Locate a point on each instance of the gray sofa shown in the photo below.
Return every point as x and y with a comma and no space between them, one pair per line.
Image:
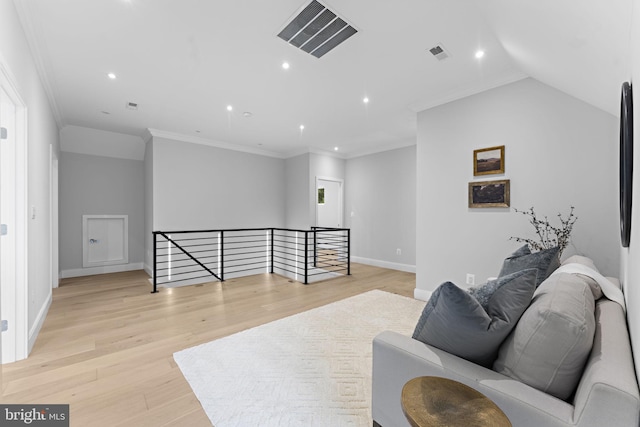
607,393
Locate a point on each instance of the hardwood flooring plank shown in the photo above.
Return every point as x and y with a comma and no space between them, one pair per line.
106,346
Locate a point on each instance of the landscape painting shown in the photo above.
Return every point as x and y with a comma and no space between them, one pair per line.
487,161
489,194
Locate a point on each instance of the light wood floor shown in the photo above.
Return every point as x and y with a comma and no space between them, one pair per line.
107,344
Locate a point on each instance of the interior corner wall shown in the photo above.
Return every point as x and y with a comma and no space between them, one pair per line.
322,165
380,208
199,187
42,134
97,185
148,208
297,192
559,152
630,265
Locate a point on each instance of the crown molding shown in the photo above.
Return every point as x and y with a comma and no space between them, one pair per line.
156,133
43,68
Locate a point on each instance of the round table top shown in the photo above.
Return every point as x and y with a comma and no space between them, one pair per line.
436,401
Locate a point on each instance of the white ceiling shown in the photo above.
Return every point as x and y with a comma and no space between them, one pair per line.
184,61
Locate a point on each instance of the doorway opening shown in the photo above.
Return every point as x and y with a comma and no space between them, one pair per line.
329,202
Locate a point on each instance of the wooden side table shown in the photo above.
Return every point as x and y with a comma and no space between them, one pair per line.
440,402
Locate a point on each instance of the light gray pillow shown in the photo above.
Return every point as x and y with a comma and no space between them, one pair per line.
552,341
545,261
455,322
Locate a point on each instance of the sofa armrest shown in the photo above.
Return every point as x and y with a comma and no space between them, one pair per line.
398,358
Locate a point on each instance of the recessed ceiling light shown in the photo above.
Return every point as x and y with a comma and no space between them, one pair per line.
229,108
335,148
285,65
365,100
111,76
479,54
301,127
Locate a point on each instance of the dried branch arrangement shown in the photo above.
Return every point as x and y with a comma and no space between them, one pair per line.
548,235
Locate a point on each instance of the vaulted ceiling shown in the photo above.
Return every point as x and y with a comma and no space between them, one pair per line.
183,62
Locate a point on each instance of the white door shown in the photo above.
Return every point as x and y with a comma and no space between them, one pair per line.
329,202
13,281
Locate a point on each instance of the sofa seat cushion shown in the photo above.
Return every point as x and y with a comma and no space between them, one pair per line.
456,322
545,261
550,344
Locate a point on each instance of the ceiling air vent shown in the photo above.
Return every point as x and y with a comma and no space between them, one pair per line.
132,106
439,52
316,30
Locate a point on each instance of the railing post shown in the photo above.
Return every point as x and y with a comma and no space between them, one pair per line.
306,257
348,252
222,255
155,265
272,233
315,246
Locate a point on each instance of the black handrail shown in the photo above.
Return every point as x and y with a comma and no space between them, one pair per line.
238,251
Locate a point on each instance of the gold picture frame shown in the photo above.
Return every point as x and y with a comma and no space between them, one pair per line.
490,194
488,161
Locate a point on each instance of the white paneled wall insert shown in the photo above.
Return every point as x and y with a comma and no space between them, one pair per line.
105,240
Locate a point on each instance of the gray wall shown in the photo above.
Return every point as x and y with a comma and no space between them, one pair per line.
197,187
96,185
380,208
559,152
148,208
297,192
630,274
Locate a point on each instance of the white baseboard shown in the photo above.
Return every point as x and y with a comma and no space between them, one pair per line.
37,325
385,264
149,270
90,271
421,294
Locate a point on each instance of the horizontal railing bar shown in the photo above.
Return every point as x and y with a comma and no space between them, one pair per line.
246,269
232,230
188,278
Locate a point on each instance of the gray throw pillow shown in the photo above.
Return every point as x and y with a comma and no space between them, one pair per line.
545,261
454,321
552,341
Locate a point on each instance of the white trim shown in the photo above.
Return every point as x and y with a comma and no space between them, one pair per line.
385,264
211,143
91,271
421,294
85,241
35,39
148,270
19,288
37,324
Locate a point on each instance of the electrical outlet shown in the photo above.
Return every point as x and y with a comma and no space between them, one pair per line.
471,279
398,251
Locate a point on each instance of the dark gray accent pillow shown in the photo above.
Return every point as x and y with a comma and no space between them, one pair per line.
545,261
454,321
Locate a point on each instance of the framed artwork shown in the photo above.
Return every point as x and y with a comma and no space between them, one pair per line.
489,194
488,161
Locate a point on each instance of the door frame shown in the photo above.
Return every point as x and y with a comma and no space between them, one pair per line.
15,345
340,197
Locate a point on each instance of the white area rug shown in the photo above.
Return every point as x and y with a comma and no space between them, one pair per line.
310,369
